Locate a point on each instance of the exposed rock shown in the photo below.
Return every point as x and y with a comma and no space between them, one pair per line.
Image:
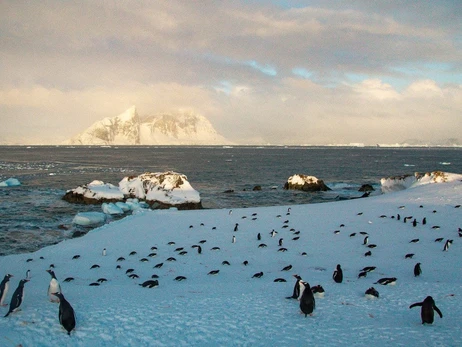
229,191
366,188
305,183
256,188
95,192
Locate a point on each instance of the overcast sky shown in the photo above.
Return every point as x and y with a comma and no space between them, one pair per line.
279,72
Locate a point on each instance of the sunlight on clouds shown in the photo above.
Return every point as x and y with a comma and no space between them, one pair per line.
376,89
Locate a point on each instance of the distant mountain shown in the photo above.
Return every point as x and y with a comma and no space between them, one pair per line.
128,128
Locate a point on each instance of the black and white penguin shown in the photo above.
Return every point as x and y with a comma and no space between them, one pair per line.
417,270
446,245
281,240
366,240
296,291
338,274
16,299
4,286
426,313
28,276
307,301
53,287
287,268
234,239
371,293
387,281
66,313
236,227
318,291
104,252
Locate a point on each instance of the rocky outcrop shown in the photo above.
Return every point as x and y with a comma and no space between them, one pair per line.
160,190
305,183
396,183
366,188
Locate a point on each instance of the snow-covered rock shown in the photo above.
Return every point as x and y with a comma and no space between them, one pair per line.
159,190
162,188
396,183
89,218
181,128
94,193
305,183
10,182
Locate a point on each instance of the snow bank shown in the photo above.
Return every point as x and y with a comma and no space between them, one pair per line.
234,309
392,184
10,182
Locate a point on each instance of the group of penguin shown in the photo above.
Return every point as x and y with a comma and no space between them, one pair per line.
66,313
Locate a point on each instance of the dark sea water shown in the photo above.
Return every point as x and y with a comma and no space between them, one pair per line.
33,215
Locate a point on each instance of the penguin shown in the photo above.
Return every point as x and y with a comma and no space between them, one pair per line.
16,299
371,293
104,252
368,268
417,270
66,313
257,275
387,281
318,291
307,301
424,221
180,278
28,276
366,240
427,313
234,239
296,291
258,236
281,240
446,245
236,227
53,287
287,268
4,286
414,223
338,274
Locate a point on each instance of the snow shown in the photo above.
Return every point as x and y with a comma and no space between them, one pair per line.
10,182
392,184
99,190
232,308
302,179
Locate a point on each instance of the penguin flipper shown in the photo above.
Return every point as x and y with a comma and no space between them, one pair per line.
438,310
415,304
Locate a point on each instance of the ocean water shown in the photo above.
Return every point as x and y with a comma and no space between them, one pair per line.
33,215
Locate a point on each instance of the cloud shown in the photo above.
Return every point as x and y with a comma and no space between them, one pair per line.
260,71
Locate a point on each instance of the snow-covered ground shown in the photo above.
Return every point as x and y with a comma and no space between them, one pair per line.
234,309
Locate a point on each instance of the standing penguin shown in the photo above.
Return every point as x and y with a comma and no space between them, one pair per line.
16,299
338,274
234,239
4,286
281,240
236,227
307,301
66,313
296,292
53,287
258,236
104,252
417,270
366,240
427,313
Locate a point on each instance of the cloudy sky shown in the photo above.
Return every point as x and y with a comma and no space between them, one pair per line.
279,72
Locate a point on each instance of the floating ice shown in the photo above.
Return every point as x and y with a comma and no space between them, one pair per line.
10,182
89,218
111,208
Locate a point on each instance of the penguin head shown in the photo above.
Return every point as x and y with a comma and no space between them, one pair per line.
305,284
58,295
8,276
429,299
297,277
338,267
22,282
51,272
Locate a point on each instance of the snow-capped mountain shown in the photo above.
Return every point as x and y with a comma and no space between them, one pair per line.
128,128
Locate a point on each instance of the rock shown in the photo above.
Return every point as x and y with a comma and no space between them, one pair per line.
256,188
229,191
305,183
78,233
366,188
